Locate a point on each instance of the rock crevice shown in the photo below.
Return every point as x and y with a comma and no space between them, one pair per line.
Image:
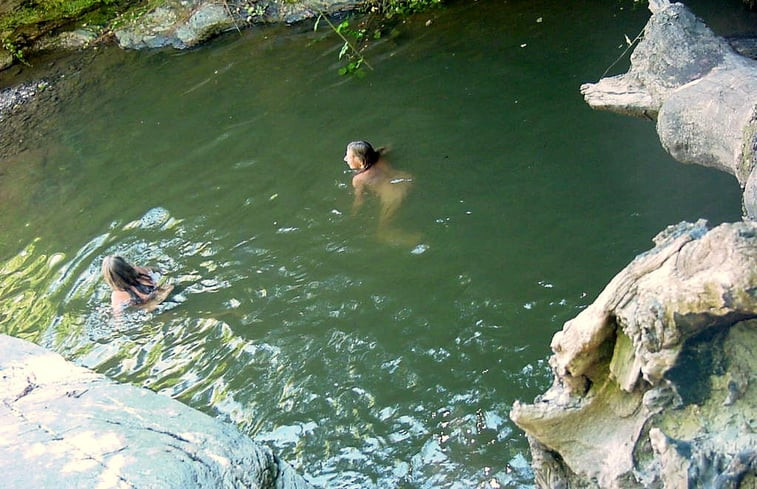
654,382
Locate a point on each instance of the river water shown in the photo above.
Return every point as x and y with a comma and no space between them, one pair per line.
363,360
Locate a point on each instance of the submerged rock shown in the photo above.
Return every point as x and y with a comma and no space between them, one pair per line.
701,92
64,426
654,383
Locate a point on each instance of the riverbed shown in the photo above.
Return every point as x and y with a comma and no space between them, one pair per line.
363,358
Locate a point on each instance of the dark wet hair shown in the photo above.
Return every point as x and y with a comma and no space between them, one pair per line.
120,275
365,152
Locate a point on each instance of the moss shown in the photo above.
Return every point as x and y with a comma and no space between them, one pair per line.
24,21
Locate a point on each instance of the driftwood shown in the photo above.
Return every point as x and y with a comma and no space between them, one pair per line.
702,94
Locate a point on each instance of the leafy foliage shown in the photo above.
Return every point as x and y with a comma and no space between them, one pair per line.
371,27
391,8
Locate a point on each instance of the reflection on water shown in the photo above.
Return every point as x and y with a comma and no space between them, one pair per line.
363,364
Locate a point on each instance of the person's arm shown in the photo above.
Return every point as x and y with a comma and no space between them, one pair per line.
359,195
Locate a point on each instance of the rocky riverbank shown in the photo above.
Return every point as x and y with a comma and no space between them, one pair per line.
64,426
654,383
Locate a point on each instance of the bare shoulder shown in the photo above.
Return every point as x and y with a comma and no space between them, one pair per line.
119,299
359,179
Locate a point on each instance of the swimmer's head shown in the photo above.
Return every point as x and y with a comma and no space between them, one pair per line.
119,274
361,155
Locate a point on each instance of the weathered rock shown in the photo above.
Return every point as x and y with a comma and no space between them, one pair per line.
701,92
655,381
66,40
750,195
64,426
186,23
180,24
6,59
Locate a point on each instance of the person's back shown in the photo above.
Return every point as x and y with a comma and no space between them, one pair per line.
391,186
375,175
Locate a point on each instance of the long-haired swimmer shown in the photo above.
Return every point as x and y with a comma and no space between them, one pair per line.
132,285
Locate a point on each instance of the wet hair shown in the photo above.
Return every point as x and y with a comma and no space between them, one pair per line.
120,275
365,153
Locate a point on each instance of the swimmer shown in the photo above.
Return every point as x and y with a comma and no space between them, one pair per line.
376,175
133,285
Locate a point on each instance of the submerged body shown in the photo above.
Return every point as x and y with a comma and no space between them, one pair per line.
389,185
376,176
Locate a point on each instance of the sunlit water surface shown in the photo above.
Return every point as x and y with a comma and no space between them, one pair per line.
362,362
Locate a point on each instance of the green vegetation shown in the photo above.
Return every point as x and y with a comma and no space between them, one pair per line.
14,51
372,26
24,21
391,8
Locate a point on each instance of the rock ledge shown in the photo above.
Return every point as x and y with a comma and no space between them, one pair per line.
64,426
654,383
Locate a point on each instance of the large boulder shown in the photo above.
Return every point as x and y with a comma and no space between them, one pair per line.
64,426
701,92
654,383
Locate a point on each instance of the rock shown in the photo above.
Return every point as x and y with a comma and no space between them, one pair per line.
750,195
654,383
152,30
66,40
183,24
64,426
6,59
177,24
701,92
208,20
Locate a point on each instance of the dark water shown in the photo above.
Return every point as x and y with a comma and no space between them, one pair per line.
363,363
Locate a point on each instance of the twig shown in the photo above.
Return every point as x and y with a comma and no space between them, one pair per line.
346,41
228,11
630,45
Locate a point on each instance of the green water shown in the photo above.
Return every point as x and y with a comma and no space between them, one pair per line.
362,363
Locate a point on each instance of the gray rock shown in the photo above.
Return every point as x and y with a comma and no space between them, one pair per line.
701,92
208,20
174,23
64,426
655,381
183,24
750,196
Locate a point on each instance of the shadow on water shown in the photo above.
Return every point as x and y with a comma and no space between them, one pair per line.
363,364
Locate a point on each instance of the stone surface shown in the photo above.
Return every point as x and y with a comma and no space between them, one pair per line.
655,381
701,92
183,24
64,426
